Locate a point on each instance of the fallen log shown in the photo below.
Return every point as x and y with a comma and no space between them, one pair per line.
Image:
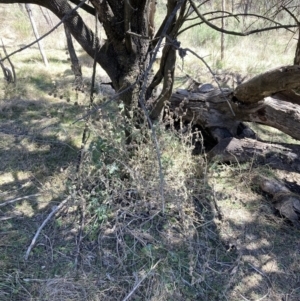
233,150
213,111
284,201
267,99
268,83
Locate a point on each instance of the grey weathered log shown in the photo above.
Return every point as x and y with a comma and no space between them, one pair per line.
233,150
212,111
286,202
268,83
274,112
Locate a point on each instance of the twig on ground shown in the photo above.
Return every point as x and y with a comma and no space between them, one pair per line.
139,282
55,209
81,228
18,199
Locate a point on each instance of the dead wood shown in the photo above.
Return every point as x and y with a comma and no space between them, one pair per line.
212,112
268,83
266,99
242,150
274,106
284,201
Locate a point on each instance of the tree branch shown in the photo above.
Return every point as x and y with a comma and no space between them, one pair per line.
85,7
234,16
19,199
236,33
268,83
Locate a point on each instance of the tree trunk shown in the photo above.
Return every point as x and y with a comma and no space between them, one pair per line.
36,34
297,54
279,79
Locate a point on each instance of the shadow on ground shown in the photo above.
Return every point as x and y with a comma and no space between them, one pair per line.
216,239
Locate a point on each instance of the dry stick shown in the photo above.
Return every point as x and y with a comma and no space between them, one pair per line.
47,17
6,73
18,199
139,283
35,32
65,17
83,143
142,98
55,209
86,128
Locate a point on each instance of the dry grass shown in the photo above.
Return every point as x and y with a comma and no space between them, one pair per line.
211,236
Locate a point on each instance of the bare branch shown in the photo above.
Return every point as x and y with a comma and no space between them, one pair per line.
85,7
236,32
54,210
236,17
262,85
212,73
11,78
19,199
291,14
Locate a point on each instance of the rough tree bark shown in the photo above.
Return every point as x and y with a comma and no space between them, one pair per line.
266,99
283,200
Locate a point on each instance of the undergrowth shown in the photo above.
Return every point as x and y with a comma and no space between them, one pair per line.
130,231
